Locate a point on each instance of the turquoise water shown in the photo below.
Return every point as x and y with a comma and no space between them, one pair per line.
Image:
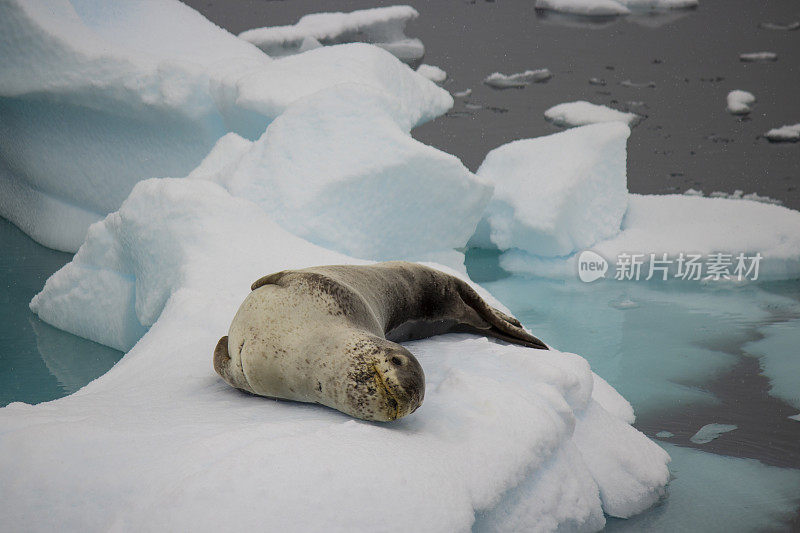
685,355
38,362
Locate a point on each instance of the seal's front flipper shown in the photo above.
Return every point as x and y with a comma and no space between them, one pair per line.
501,325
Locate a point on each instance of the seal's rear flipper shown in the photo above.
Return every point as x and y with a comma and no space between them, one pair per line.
232,374
501,325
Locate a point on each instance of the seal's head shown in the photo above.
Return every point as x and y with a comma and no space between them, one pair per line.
385,382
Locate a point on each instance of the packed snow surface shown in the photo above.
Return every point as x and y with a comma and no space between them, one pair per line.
710,432
739,102
581,113
432,72
556,194
606,8
784,133
179,257
339,168
382,26
758,56
520,79
96,96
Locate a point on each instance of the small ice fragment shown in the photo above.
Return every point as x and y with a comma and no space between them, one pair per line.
473,106
739,102
580,113
758,56
433,73
588,8
520,79
781,27
710,432
597,81
739,194
693,192
664,435
625,304
795,417
463,94
643,85
784,134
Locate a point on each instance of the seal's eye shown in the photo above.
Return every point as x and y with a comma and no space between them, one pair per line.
396,361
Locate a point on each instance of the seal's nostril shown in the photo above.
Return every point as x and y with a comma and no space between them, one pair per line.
396,361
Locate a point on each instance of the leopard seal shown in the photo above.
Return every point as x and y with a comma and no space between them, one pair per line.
329,335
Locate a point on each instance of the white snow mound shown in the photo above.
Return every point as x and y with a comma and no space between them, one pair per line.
382,26
790,133
95,96
556,194
581,113
162,443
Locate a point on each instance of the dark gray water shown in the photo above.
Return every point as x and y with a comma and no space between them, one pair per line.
688,139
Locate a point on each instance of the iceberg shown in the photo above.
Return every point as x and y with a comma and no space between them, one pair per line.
710,432
190,250
581,113
675,224
739,102
339,169
382,26
96,96
557,194
497,80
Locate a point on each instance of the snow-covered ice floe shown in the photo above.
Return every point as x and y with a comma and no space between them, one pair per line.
561,194
520,79
382,26
432,72
752,57
557,194
606,8
160,442
739,102
97,96
581,113
710,432
789,133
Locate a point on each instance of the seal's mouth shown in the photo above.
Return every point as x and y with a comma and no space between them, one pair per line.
393,405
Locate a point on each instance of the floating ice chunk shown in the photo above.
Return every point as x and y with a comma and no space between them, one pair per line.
638,85
665,434
781,27
758,56
337,169
382,26
597,81
191,251
710,432
592,8
675,224
433,73
463,94
693,192
795,417
784,134
556,194
777,355
520,79
98,96
610,8
581,113
739,102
